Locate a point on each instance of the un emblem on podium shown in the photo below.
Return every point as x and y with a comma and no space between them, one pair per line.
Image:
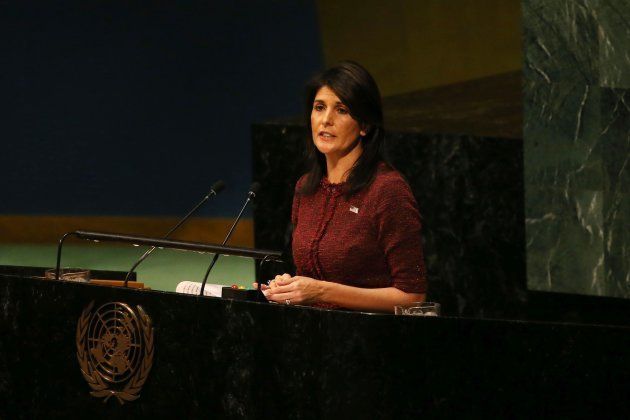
115,350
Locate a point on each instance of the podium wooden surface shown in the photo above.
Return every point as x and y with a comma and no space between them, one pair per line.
219,358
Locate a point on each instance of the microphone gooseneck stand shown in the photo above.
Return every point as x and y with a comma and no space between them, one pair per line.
216,188
250,196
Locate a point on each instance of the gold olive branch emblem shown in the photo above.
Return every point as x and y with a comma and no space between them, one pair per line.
116,344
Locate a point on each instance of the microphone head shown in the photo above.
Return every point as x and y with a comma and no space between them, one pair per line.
217,187
253,190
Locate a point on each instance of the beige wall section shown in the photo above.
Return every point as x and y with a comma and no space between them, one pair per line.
48,229
413,44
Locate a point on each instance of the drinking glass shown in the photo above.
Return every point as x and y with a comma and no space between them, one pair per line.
418,309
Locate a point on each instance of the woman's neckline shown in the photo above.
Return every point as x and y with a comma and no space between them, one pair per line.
327,182
332,188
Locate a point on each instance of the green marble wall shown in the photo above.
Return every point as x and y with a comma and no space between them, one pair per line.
577,145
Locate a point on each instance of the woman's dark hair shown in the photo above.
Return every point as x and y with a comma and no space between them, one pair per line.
358,91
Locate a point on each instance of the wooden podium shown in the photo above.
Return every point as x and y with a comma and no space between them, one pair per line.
194,357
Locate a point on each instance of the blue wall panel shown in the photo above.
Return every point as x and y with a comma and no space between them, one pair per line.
112,108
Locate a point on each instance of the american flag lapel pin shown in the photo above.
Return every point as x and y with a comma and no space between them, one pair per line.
354,209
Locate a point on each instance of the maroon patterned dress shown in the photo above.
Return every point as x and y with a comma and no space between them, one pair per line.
371,240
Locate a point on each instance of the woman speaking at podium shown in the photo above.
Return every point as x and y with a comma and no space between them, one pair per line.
356,226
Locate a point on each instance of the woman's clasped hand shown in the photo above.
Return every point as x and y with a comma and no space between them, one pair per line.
292,290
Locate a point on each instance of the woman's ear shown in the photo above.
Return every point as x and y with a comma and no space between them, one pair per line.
364,130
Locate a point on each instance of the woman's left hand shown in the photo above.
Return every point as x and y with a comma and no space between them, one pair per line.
296,290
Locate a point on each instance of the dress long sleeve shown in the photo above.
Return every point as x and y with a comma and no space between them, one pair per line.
398,226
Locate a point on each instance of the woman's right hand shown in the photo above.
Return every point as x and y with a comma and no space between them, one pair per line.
272,284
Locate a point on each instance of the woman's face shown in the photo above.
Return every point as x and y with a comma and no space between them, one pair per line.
335,132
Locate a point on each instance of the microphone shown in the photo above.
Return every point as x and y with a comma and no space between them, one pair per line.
253,190
215,189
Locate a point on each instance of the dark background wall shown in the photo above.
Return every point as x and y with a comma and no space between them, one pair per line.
135,108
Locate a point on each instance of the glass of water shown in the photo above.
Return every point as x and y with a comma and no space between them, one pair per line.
418,309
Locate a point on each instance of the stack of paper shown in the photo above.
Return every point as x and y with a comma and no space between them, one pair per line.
193,288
